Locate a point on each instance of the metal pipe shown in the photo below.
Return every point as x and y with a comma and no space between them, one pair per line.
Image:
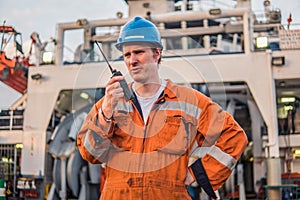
228,88
196,15
59,45
15,171
157,18
63,191
256,123
247,40
184,39
274,163
17,103
206,38
11,119
273,125
93,24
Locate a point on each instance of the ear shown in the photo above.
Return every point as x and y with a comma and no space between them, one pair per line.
157,53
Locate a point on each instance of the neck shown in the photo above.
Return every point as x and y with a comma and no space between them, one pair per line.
147,89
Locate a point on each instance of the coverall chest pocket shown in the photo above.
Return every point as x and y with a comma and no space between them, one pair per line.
173,138
122,137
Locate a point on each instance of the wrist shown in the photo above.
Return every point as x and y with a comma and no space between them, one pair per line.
105,117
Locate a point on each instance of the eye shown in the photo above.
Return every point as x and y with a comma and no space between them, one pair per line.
127,55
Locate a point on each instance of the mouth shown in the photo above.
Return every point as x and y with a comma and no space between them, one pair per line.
135,70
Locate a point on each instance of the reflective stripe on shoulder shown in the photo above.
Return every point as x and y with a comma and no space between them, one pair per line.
188,108
222,157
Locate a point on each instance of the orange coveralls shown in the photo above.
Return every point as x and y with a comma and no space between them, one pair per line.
150,161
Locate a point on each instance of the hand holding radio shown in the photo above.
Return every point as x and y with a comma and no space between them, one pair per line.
127,92
113,93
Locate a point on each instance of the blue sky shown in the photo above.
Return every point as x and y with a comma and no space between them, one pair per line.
42,16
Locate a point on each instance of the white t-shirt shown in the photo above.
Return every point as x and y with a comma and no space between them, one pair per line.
146,103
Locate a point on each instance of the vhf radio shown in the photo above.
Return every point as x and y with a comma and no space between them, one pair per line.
127,92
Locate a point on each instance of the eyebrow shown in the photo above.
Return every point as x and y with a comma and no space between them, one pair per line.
136,51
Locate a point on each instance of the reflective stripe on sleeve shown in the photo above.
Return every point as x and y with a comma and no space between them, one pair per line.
199,152
224,158
94,151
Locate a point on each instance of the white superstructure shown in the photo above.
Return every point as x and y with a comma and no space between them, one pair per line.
248,66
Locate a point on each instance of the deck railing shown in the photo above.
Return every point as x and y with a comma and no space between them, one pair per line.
11,119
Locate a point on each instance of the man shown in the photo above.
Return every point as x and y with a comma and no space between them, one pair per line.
151,143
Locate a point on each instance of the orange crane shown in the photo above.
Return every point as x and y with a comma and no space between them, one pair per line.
13,72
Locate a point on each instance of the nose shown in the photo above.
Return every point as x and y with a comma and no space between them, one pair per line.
133,59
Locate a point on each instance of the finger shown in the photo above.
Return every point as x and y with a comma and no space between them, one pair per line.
112,86
114,91
116,79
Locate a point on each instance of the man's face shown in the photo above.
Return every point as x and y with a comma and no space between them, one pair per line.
142,62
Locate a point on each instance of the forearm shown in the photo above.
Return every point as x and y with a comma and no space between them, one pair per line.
225,141
225,152
93,137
